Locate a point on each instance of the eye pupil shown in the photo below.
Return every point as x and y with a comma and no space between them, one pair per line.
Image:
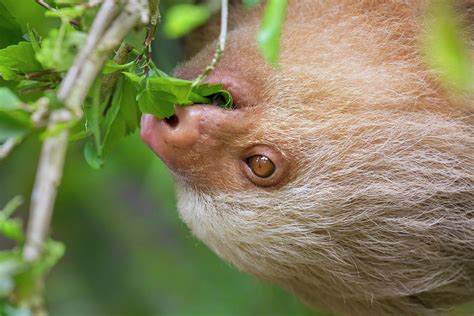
261,166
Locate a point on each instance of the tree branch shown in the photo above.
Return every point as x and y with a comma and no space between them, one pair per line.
107,12
110,32
48,177
109,80
7,147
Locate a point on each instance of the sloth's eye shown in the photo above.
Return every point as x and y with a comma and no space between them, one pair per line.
261,166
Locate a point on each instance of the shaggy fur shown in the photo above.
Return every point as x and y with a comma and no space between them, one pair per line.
377,214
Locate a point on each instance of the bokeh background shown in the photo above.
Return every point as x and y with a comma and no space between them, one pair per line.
127,252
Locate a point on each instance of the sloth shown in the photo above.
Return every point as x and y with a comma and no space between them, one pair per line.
346,174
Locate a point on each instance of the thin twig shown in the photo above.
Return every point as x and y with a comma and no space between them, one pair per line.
90,68
107,12
44,4
7,147
220,45
155,18
31,75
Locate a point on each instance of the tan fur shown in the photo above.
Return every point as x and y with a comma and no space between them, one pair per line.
377,215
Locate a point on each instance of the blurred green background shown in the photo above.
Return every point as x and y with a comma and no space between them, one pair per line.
127,251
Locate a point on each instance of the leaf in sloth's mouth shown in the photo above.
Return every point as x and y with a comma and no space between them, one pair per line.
159,95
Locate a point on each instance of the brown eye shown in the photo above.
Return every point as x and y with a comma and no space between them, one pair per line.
261,166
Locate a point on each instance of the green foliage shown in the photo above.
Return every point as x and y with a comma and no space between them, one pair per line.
17,60
10,227
17,277
36,66
160,94
10,30
15,122
27,15
447,49
60,47
183,18
270,32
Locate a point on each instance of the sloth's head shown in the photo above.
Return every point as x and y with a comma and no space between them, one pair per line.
345,176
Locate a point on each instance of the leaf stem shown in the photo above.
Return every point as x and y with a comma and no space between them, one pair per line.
155,18
220,45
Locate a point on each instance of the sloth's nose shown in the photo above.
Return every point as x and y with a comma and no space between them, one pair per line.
172,138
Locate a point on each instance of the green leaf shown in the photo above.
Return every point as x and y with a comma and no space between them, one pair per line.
196,98
153,102
133,77
8,100
9,28
92,156
270,31
183,18
174,90
446,49
25,13
161,95
11,206
59,49
209,93
14,124
18,59
33,39
53,251
111,67
205,89
228,101
67,13
11,228
123,116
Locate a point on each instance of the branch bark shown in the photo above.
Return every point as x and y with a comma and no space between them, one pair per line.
107,12
109,81
108,31
48,177
7,147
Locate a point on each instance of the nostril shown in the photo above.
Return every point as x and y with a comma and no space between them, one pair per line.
172,121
